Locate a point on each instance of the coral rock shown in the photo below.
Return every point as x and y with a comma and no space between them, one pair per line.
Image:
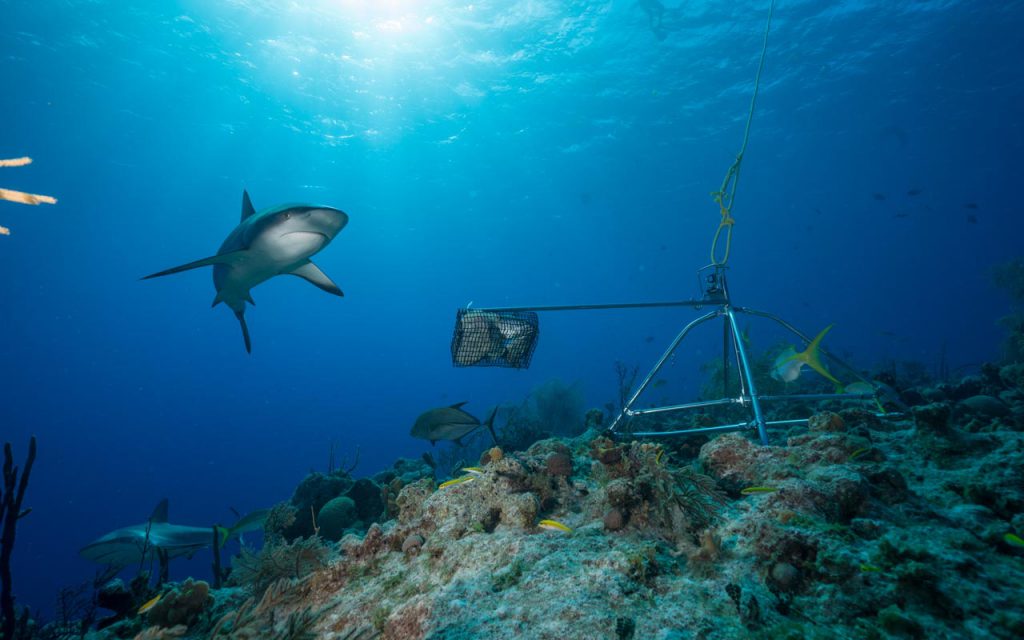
932,418
559,464
315,490
183,605
493,454
785,576
336,516
614,520
826,421
737,462
115,596
412,545
368,498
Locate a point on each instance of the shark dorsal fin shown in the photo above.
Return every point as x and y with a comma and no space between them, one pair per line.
160,513
247,208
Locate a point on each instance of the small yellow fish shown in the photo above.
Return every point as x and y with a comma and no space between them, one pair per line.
455,481
858,453
657,458
750,491
1014,540
150,604
553,525
869,568
476,471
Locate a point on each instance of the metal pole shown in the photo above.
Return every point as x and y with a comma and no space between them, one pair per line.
725,357
820,396
682,432
627,409
762,428
703,404
696,304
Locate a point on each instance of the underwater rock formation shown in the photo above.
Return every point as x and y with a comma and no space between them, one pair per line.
315,490
182,605
336,516
850,525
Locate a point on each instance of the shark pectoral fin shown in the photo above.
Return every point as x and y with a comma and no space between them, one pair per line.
234,257
312,273
245,330
247,208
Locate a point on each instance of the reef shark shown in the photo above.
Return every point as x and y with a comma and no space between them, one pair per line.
275,241
128,545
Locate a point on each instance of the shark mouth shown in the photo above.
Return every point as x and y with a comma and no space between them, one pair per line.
306,233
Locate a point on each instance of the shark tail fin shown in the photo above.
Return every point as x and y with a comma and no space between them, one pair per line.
811,356
490,425
245,330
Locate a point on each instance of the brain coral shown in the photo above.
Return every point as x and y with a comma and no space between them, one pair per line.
335,517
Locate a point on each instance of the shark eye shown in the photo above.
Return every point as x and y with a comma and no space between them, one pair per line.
286,216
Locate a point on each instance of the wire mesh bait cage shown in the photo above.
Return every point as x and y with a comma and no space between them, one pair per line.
494,338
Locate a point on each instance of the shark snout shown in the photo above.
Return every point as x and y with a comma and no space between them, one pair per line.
328,221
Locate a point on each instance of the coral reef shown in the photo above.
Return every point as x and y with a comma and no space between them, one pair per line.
850,525
868,524
278,560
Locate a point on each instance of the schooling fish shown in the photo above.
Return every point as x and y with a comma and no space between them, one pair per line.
449,423
276,241
789,363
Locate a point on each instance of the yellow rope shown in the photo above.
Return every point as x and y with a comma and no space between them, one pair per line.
726,195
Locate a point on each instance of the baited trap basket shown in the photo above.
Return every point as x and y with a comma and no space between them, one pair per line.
485,338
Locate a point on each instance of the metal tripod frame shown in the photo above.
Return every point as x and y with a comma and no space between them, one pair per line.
716,294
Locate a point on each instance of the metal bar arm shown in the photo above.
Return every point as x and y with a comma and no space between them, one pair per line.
696,304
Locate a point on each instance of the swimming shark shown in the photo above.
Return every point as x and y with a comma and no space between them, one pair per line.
127,546
275,241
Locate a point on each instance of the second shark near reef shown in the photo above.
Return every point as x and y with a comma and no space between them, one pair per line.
275,241
131,545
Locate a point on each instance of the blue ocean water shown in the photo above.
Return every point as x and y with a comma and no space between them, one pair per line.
513,152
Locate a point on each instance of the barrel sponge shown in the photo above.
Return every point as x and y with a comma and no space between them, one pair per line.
335,517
